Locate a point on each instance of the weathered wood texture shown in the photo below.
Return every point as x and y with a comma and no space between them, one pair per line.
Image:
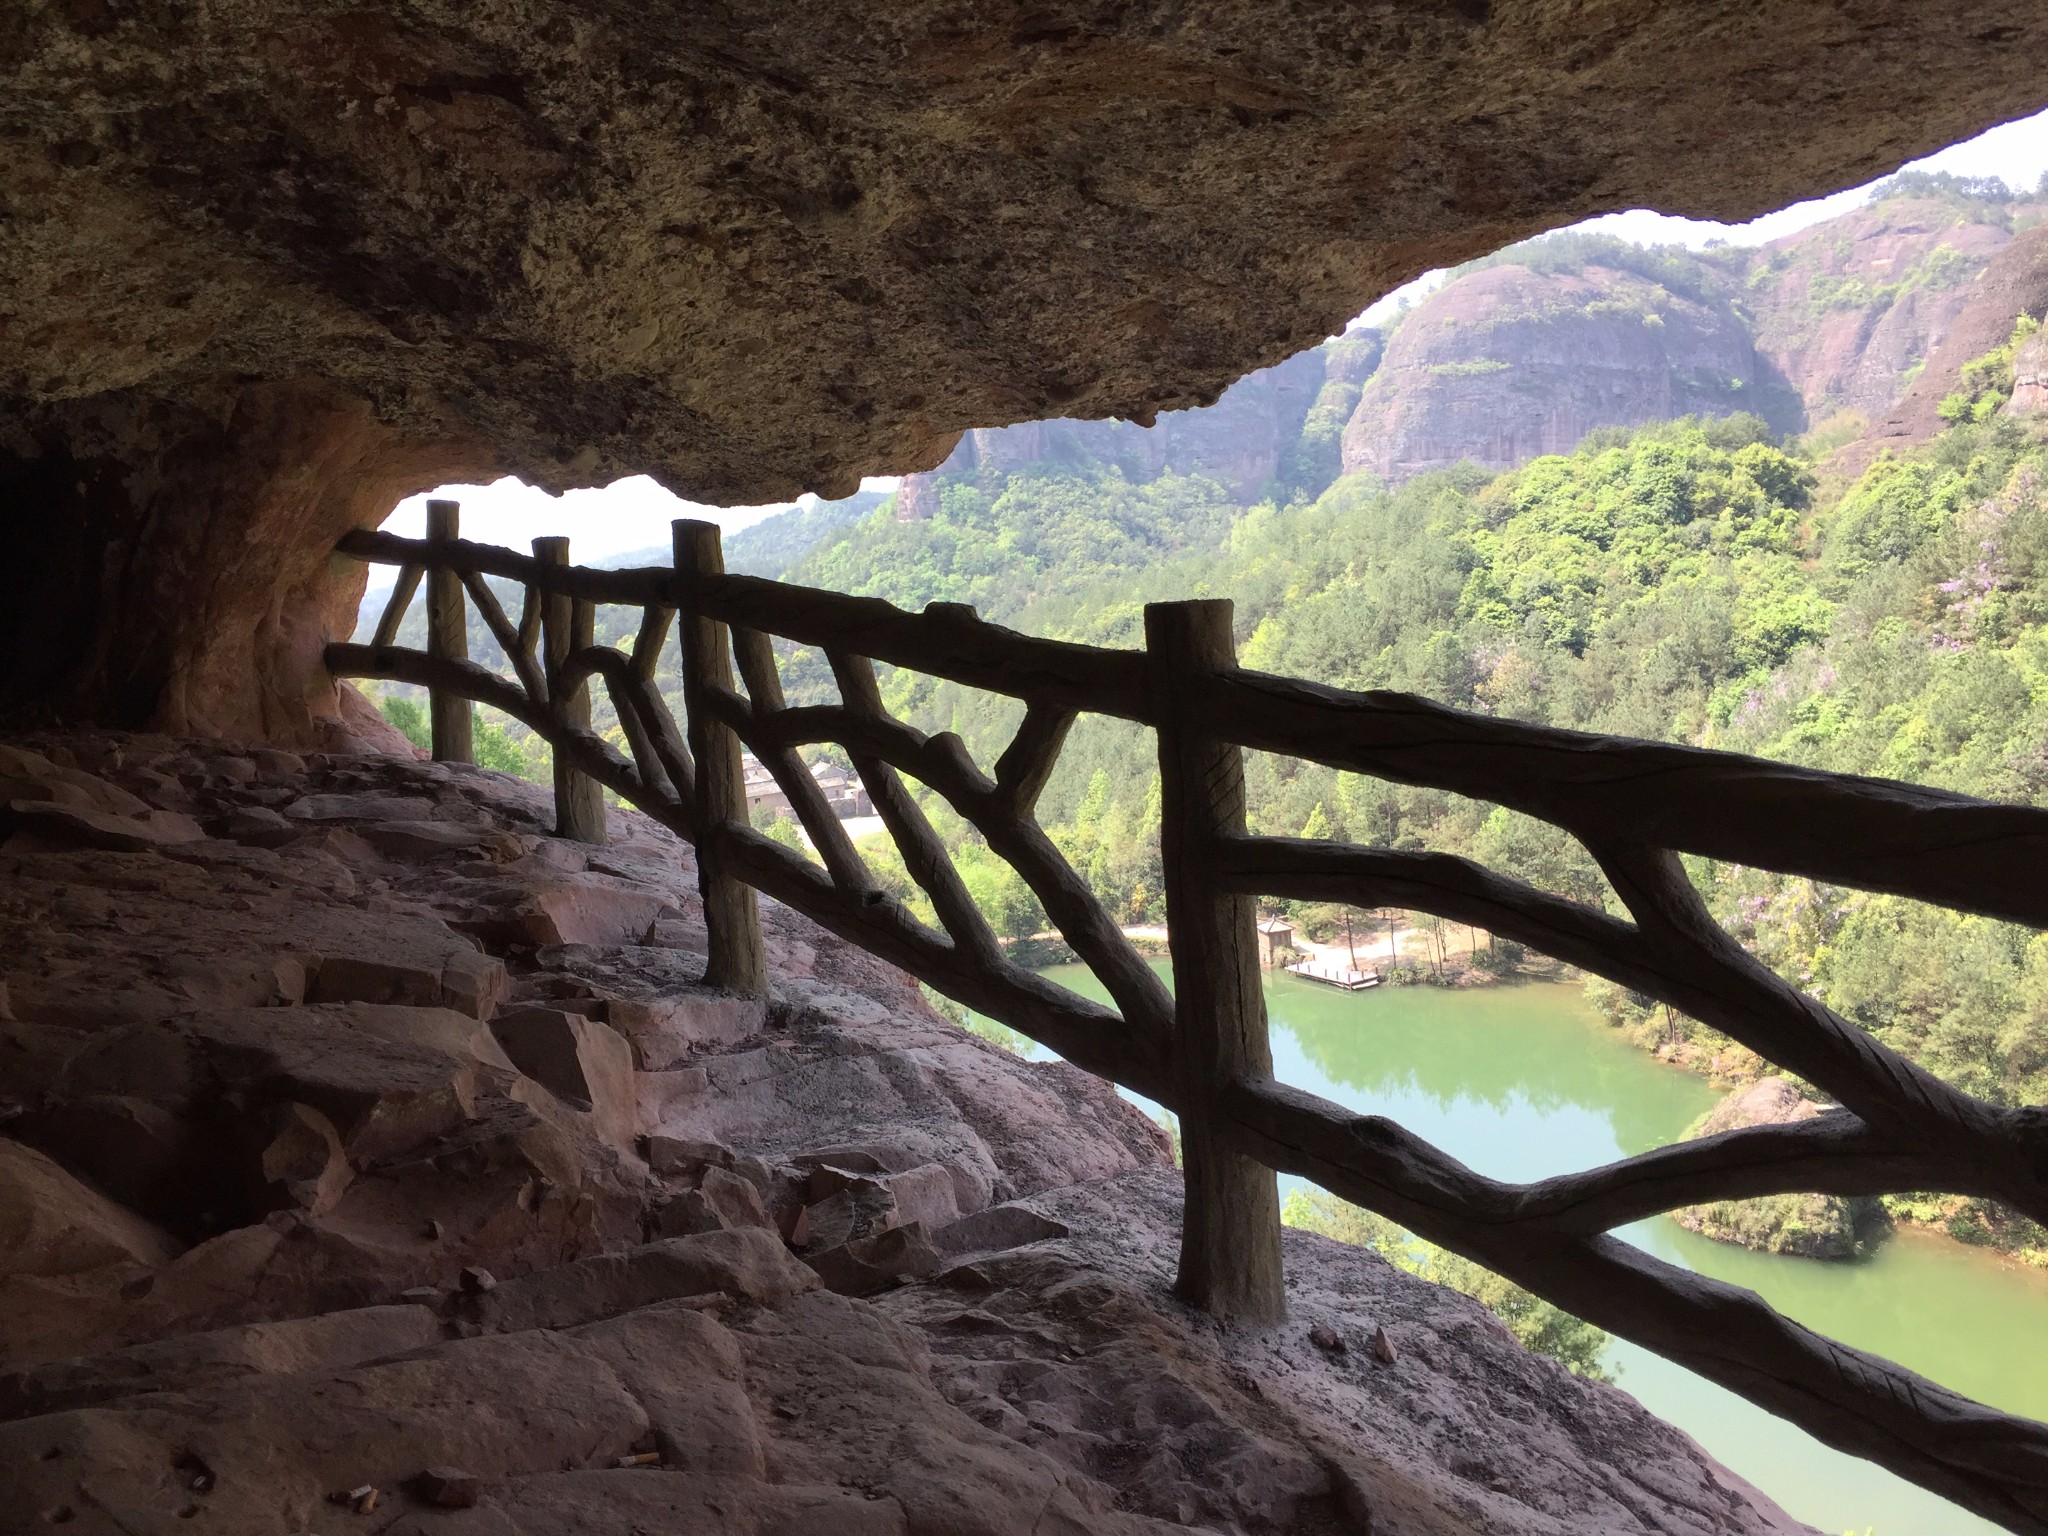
448,639
1633,804
567,621
732,915
1230,1227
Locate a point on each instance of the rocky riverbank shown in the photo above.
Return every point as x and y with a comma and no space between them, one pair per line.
1812,1226
369,1159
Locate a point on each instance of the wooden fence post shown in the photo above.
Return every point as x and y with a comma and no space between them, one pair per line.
447,640
1230,1226
732,916
567,626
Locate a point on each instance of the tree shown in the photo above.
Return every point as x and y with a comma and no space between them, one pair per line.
410,721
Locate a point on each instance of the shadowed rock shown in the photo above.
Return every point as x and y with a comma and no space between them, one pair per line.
325,260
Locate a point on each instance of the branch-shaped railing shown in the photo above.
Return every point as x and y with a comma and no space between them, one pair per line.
1203,1049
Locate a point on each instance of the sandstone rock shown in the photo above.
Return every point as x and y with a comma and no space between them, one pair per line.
448,1487
1767,1101
850,1071
830,1222
665,1030
131,1148
274,764
306,1160
2030,378
1847,310
746,1262
685,1156
669,1099
590,910
1043,1382
1066,1346
925,1196
69,1257
558,1050
498,1406
1239,440
388,1078
997,1228
582,1063
257,825
231,345
720,1203
52,1224
421,839
1507,363
592,1503
459,978
870,1264
204,1360
861,1378
91,828
33,776
687,1373
2013,281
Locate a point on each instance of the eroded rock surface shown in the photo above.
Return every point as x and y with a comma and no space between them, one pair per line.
305,1235
269,268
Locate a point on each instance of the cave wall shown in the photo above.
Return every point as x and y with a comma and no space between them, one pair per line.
756,249
168,563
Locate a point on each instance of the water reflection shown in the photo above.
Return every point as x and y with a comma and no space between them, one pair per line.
1525,1081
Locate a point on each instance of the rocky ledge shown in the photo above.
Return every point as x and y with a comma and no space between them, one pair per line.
372,1161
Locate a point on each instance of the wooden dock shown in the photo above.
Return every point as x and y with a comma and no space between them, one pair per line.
1342,977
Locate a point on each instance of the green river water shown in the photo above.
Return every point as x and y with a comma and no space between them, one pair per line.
1525,1081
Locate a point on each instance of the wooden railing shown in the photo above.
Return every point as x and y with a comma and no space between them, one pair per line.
1202,1050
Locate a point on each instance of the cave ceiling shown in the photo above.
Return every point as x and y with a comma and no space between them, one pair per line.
755,249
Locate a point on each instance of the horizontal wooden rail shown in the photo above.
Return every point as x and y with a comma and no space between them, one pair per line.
1633,804
1873,834
1062,1020
946,640
1992,1462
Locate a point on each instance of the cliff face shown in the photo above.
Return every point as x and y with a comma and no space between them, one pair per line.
2030,378
1507,363
1511,360
1850,311
2014,281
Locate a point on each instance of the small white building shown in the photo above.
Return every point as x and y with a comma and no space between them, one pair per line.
841,787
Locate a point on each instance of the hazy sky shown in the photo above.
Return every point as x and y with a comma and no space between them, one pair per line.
635,513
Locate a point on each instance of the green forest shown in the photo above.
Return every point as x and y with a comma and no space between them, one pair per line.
1693,581
1696,581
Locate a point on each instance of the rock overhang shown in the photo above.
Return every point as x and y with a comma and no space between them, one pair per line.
759,249
269,267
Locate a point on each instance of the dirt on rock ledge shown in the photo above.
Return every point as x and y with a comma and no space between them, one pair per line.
371,1160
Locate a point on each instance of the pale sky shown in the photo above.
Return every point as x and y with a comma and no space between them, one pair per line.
635,513
605,520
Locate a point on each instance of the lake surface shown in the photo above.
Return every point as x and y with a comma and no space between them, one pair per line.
1525,1081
